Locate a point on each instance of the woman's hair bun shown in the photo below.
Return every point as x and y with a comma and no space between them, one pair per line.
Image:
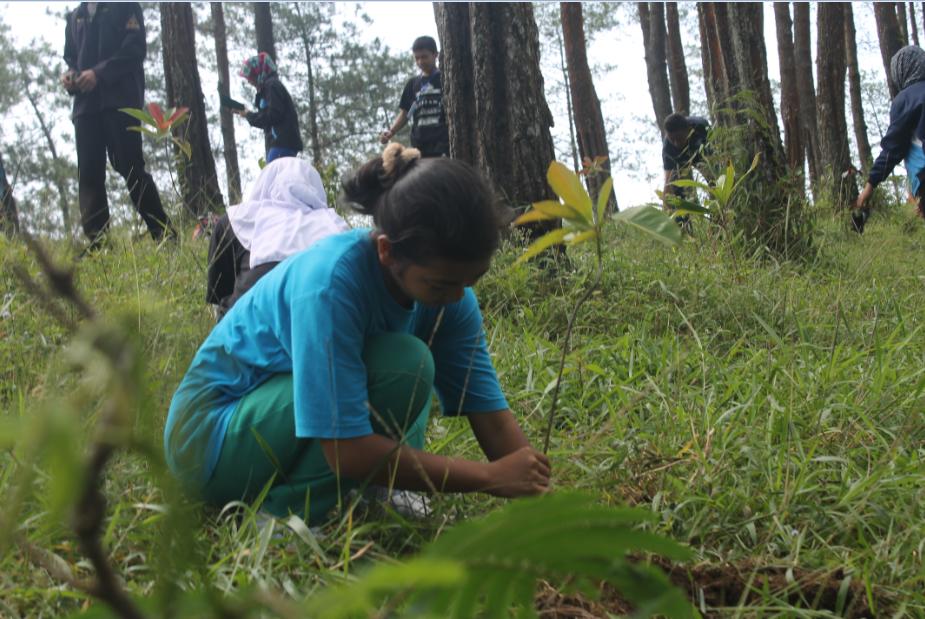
396,160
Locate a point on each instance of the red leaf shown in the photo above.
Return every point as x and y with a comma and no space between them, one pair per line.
180,111
157,114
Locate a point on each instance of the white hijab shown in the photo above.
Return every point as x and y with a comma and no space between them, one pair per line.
285,211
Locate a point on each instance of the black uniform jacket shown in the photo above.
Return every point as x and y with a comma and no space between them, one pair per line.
112,43
276,115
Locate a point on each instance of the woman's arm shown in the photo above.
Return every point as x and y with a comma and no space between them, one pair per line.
383,461
498,433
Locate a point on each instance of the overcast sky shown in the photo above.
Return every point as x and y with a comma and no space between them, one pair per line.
623,91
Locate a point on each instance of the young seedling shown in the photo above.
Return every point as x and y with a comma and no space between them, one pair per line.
582,222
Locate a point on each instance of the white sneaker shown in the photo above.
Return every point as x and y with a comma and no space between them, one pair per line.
411,505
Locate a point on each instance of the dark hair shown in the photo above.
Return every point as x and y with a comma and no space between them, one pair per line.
676,122
425,42
428,208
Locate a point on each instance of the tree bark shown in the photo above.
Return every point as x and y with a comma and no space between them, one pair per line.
677,66
589,121
305,35
890,38
9,216
912,22
789,95
493,95
652,21
232,171
198,180
854,88
263,26
806,89
771,217
830,104
901,20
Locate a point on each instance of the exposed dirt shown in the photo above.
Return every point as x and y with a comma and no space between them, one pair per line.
723,586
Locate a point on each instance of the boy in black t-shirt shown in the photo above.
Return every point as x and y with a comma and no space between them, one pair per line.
422,103
685,138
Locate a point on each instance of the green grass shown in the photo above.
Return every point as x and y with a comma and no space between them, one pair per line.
770,414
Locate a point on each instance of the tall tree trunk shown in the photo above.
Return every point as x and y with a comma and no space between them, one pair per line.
652,21
806,89
854,87
63,199
901,20
305,35
491,58
771,217
263,26
589,121
232,171
830,104
9,216
198,180
912,22
890,37
677,67
789,95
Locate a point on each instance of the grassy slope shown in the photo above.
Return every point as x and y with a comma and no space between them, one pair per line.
770,414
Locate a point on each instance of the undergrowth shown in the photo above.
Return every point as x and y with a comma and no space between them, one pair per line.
769,414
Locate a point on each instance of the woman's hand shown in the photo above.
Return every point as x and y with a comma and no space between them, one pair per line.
524,472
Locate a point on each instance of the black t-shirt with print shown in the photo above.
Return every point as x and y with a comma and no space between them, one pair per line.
422,100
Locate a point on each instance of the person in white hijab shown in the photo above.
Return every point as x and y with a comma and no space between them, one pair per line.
284,212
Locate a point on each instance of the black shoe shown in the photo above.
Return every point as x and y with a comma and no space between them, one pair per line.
859,217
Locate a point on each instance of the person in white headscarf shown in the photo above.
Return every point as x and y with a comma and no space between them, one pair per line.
906,133
284,212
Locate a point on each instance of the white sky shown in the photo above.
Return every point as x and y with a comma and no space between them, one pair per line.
623,92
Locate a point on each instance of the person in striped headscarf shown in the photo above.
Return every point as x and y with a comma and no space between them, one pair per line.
276,113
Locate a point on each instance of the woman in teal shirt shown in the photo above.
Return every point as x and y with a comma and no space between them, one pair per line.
320,377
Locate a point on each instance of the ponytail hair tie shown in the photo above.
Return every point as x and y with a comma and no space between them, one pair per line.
397,158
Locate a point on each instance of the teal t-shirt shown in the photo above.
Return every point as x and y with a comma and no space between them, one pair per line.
311,316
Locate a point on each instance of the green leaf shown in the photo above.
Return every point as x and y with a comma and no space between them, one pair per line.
184,146
547,240
653,222
685,182
581,237
557,209
532,216
568,186
603,197
682,206
141,115
145,130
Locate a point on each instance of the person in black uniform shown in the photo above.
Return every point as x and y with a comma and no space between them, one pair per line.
105,49
422,103
682,149
276,113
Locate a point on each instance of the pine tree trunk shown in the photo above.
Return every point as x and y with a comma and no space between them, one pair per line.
890,38
912,22
789,96
9,216
830,104
230,147
806,89
854,87
652,21
198,180
771,216
677,67
901,20
563,64
263,26
493,94
589,121
317,156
